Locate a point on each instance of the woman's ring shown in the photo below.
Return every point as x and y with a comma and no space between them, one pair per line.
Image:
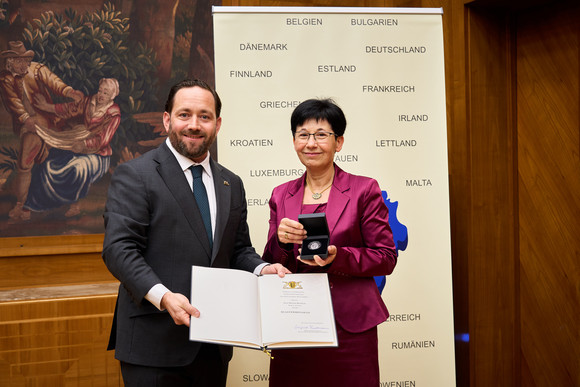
286,235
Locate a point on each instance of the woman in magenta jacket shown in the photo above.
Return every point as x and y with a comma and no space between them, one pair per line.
361,246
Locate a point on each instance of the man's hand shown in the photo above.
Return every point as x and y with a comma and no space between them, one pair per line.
179,308
275,268
76,95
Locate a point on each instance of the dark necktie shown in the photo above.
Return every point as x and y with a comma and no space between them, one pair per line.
201,198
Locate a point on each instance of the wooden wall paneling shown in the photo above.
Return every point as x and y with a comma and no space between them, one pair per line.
45,339
52,261
57,342
459,178
492,277
548,111
52,270
47,245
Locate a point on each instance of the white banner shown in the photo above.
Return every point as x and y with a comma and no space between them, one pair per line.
384,68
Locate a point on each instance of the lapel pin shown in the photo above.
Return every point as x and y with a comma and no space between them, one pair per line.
226,182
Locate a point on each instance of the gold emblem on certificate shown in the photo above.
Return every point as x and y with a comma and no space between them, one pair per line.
292,285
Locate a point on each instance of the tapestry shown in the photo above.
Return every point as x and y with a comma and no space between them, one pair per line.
83,87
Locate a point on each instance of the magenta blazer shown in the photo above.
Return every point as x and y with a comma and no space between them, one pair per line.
358,221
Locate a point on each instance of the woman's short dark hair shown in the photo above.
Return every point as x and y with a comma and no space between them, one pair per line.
192,83
319,109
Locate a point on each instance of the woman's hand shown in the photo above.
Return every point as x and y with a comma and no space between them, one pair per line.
319,261
291,231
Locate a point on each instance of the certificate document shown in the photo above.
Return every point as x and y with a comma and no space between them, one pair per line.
241,309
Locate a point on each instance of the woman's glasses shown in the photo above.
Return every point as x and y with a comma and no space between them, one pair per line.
319,136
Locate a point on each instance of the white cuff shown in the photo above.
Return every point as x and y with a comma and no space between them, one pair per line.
259,268
155,295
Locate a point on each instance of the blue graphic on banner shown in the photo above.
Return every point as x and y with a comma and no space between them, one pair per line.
400,235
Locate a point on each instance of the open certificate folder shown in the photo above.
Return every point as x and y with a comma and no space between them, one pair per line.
241,309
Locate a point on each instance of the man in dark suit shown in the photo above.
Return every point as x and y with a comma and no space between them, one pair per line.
156,229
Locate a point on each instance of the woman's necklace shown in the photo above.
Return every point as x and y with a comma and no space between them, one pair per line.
317,195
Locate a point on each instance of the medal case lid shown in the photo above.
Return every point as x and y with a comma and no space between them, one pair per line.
317,235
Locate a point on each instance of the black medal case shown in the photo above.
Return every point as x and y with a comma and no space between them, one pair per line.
317,235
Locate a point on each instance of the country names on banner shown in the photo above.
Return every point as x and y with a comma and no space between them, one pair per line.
384,67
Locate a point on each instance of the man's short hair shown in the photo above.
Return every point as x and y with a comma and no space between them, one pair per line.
192,83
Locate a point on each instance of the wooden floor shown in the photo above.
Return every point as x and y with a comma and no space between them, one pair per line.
57,336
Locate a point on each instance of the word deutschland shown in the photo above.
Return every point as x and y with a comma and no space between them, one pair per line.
395,50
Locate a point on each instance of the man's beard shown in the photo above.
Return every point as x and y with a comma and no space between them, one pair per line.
194,152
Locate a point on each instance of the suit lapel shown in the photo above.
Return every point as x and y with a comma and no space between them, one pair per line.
293,201
223,195
338,199
177,184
